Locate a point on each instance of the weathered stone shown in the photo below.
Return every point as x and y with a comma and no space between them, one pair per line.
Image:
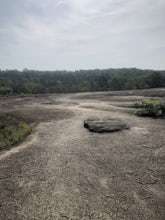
101,125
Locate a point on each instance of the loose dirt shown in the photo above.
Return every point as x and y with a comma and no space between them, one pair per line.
63,171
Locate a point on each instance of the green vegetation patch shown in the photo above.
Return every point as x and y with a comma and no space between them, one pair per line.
12,130
14,83
151,108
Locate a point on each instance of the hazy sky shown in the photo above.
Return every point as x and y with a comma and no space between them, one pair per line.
82,34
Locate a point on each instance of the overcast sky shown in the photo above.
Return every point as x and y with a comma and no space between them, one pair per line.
82,34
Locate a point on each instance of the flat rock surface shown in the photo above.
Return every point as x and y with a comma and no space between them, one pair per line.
101,125
64,172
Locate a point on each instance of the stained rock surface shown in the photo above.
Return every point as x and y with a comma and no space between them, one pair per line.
101,125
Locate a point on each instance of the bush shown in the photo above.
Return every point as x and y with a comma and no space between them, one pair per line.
12,130
151,108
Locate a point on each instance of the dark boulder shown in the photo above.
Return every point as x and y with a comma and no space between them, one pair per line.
101,125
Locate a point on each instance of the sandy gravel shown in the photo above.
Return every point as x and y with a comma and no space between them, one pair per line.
64,172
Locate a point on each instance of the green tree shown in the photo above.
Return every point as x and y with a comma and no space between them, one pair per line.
156,80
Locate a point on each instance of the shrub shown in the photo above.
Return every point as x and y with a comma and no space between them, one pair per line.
151,108
12,130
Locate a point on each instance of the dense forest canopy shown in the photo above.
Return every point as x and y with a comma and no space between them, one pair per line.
32,81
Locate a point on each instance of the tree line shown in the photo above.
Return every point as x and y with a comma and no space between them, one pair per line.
13,82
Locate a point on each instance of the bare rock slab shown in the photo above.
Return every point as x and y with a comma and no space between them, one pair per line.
101,125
